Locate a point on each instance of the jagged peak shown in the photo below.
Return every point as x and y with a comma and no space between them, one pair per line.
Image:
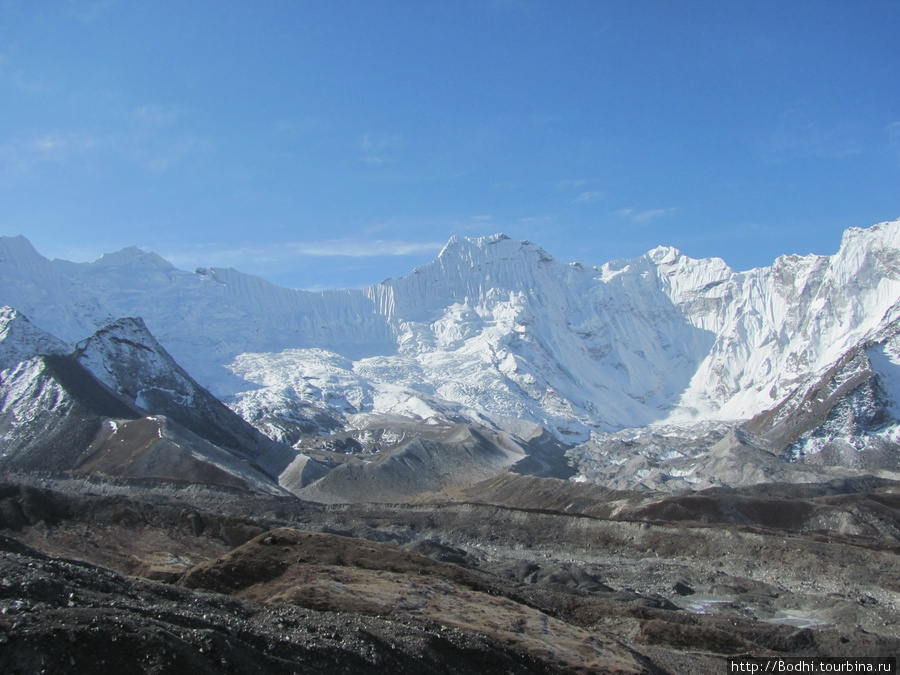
491,248
662,255
9,314
17,250
888,232
129,329
126,356
12,320
125,323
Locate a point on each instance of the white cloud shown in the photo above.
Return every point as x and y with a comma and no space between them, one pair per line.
645,216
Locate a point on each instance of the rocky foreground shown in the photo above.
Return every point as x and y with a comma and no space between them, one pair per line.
513,575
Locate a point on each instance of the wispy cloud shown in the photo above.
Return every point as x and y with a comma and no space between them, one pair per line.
167,153
88,11
248,257
20,156
589,196
379,149
296,127
798,135
11,74
893,134
571,183
586,192
365,249
157,114
150,136
642,217
510,7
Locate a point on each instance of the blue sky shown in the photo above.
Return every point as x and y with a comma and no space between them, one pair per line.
334,143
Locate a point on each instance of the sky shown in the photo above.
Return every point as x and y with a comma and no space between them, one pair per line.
336,143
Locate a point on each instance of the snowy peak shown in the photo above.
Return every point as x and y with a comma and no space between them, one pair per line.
472,272
492,249
132,256
21,340
881,235
664,255
18,252
503,261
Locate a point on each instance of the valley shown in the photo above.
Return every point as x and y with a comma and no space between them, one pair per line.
620,582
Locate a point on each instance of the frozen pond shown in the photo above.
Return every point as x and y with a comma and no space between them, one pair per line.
712,604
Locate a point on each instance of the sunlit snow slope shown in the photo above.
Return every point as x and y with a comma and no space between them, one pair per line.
493,326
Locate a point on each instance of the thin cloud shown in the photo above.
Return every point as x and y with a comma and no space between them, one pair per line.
797,135
589,197
14,76
893,134
22,155
158,115
88,11
566,184
56,146
365,249
167,153
246,257
147,141
296,127
645,216
378,150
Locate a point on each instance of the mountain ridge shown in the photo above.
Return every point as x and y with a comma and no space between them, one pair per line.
494,331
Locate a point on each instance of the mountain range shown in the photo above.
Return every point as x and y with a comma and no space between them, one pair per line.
660,372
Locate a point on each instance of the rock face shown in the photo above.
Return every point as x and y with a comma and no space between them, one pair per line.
847,416
497,334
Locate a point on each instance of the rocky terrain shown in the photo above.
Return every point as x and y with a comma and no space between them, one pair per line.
516,574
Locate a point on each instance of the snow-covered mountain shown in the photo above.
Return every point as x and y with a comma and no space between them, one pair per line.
494,332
